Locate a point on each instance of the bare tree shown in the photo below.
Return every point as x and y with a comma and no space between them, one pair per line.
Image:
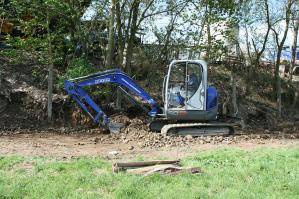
259,52
280,43
137,14
130,36
166,39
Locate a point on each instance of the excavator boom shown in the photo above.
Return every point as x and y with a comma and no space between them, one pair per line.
74,88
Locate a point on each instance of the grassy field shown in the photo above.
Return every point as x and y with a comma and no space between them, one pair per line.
228,173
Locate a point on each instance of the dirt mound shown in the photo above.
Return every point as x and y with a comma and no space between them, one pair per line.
23,98
137,134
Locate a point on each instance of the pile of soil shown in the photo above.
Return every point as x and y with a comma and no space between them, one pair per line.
138,132
23,94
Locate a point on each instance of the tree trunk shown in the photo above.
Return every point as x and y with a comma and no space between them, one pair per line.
50,76
295,100
234,95
208,55
128,52
110,47
277,85
294,47
278,97
278,82
164,52
209,37
1,65
127,35
120,46
50,89
1,24
1,74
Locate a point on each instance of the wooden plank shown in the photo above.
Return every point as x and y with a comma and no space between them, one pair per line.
120,166
154,169
165,169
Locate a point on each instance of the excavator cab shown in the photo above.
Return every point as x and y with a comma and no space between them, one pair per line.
186,93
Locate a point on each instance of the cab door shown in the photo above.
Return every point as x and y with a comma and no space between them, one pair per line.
175,88
184,87
195,98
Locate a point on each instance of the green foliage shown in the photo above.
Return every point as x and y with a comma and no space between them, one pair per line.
30,43
78,67
14,55
227,173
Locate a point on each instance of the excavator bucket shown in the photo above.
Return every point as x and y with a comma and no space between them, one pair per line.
115,127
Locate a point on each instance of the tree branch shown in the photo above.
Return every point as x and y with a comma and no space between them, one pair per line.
143,16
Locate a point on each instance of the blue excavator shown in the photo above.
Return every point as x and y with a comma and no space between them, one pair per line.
190,105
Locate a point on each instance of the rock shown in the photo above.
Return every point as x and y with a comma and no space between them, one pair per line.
292,137
266,136
96,140
131,147
261,142
208,139
189,137
258,137
125,141
201,142
114,153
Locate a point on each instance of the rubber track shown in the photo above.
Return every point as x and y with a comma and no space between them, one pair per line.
166,128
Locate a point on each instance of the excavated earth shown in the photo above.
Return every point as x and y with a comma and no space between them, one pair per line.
133,141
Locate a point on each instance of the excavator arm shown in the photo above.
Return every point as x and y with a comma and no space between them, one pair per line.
74,88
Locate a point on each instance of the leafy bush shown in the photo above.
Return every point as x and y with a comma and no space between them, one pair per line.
77,68
81,67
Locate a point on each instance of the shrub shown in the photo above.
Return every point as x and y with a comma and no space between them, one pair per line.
78,67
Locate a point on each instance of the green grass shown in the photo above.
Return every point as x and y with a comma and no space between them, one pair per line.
228,173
